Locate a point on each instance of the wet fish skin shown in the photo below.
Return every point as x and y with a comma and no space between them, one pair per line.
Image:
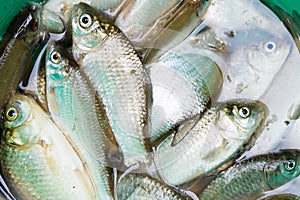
72,105
190,80
251,178
37,161
139,186
24,36
115,71
224,131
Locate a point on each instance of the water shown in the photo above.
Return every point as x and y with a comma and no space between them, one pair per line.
253,24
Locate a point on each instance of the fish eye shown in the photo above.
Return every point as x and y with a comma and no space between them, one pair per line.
290,165
270,46
244,112
85,20
12,114
55,57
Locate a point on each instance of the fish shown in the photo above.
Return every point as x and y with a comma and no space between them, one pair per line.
282,197
24,36
186,19
140,186
250,51
240,59
142,28
224,131
291,20
8,11
137,21
37,160
183,86
251,178
57,13
117,74
72,105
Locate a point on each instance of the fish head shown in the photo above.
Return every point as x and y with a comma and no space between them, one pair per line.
255,58
28,26
18,131
269,55
241,118
59,64
284,167
90,28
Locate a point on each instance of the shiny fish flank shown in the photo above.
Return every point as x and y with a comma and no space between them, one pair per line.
183,86
251,178
115,71
137,186
37,161
72,106
23,37
138,21
224,131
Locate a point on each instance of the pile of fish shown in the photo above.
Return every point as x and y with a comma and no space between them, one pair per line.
122,99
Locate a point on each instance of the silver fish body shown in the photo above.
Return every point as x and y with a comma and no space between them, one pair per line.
72,105
222,133
251,178
37,160
116,73
138,186
183,86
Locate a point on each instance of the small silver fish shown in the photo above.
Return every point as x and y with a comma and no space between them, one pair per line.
223,131
138,186
72,105
116,73
251,178
37,161
183,86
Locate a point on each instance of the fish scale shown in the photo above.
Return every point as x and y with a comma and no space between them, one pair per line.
116,73
251,178
187,79
43,162
138,186
217,138
73,107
